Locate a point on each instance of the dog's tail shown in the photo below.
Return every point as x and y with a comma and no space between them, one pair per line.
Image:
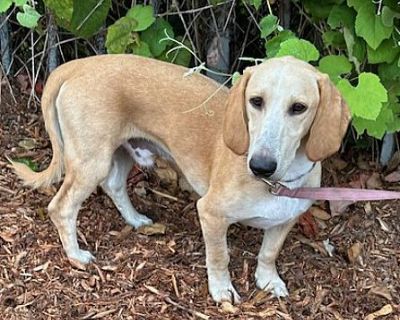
54,171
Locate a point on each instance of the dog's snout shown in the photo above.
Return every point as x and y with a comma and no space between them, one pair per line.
262,166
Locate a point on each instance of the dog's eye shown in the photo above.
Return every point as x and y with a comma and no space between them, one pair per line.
297,108
257,102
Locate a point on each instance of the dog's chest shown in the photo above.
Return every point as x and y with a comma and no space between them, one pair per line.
265,210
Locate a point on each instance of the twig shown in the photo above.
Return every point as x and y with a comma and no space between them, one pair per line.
162,194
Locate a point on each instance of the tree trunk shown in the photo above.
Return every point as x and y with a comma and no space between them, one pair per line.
5,43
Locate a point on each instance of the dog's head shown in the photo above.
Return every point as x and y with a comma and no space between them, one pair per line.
279,106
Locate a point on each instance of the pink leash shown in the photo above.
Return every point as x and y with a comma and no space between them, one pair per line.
332,194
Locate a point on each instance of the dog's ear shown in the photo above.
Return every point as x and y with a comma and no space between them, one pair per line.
330,122
235,132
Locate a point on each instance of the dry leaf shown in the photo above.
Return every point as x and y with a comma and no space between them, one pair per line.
77,264
227,307
394,162
382,292
393,177
354,252
328,247
8,235
338,163
383,224
384,311
152,229
374,181
307,225
319,213
27,144
339,207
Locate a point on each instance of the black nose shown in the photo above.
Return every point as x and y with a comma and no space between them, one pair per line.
262,166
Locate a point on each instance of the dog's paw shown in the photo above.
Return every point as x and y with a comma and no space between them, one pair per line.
138,221
82,256
267,279
221,293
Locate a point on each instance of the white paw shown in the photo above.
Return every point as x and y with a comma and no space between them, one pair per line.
223,292
138,220
268,279
82,256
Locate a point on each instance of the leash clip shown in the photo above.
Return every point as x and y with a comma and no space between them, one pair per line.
273,187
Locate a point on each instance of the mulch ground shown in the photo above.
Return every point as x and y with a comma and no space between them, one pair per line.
163,276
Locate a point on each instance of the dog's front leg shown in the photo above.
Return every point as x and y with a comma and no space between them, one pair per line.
267,277
214,227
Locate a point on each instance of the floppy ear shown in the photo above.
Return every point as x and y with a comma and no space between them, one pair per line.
330,122
235,132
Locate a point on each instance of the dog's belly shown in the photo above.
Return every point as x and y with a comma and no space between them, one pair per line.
270,211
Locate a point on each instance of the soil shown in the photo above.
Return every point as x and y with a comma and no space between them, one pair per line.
163,276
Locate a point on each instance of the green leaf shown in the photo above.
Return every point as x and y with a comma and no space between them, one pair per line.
62,10
334,39
375,128
143,15
386,52
388,15
365,100
335,66
388,72
370,26
235,77
119,35
141,48
88,16
256,3
155,33
179,56
356,4
29,18
319,9
299,48
27,161
273,45
355,47
20,3
5,5
341,16
268,25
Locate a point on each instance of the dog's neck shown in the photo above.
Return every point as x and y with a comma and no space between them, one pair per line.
299,170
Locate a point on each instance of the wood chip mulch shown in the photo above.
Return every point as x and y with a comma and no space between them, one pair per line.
163,276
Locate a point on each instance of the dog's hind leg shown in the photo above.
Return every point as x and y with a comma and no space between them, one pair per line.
80,181
115,187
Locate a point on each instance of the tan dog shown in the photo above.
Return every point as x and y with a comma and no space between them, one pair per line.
105,112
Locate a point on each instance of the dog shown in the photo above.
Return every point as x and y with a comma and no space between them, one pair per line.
277,122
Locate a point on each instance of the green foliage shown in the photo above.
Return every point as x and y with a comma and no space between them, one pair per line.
273,45
268,25
62,10
335,66
140,33
368,33
29,17
299,48
143,15
27,161
88,16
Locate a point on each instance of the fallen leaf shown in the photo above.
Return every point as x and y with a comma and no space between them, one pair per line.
394,162
354,252
307,225
227,307
393,177
77,264
382,292
328,247
27,144
8,235
339,207
338,163
319,213
368,208
152,229
374,181
384,311
125,232
383,225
